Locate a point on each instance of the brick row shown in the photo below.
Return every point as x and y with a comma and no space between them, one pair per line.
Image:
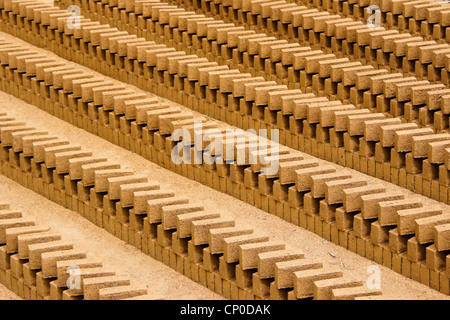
277,192
293,65
377,156
165,226
37,263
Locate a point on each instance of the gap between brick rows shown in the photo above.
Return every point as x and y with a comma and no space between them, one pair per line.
385,239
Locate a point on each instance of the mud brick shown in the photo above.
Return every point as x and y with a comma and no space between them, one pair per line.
322,289
285,269
389,132
424,274
50,259
154,207
88,171
327,212
13,233
268,260
244,277
334,190
344,220
435,260
184,221
302,177
407,217
404,138
288,170
217,235
441,236
387,210
16,266
170,213
416,251
122,292
36,250
200,229
25,240
248,252
141,198
413,166
372,128
424,227
304,279
352,197
261,287
397,243
379,234
127,191
420,144
353,292
13,223
75,166
318,182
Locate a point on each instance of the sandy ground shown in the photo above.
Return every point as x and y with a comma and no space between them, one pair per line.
6,294
142,267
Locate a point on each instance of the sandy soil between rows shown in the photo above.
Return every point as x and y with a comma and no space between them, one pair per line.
127,258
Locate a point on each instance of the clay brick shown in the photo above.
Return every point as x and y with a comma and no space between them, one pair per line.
50,259
267,261
388,210
441,238
248,253
200,229
424,227
217,235
36,250
322,289
284,271
334,190
388,133
352,293
318,182
184,221
352,197
154,207
304,279
406,218
25,240
404,139
91,286
170,213
303,180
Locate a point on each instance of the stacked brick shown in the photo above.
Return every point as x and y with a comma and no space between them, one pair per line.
211,249
304,67
36,263
383,47
241,108
320,198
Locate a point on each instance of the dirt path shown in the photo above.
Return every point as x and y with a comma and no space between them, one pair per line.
143,267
